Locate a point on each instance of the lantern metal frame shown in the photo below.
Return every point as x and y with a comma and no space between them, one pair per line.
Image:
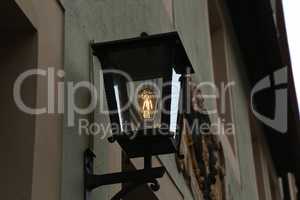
143,144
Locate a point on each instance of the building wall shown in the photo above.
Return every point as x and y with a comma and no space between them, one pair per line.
245,186
18,51
46,17
64,30
110,20
101,21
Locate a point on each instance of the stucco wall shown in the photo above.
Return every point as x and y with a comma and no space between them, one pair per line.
47,18
103,20
64,37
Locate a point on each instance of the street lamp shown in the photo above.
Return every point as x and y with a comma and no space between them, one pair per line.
138,84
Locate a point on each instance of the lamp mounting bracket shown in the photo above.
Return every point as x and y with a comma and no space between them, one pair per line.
135,179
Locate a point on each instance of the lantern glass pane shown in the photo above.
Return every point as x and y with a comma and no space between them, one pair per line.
175,95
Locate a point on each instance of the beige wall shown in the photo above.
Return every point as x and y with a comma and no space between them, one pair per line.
31,145
18,52
111,20
47,157
38,158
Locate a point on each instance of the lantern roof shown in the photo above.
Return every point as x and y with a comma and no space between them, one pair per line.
147,56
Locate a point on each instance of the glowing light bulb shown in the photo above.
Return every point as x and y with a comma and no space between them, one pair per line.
147,103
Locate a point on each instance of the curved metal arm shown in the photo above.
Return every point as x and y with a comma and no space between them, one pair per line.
125,191
136,178
154,185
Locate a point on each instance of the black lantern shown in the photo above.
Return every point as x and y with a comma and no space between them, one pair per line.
138,75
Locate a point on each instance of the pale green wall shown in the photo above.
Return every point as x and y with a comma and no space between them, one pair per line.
103,20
